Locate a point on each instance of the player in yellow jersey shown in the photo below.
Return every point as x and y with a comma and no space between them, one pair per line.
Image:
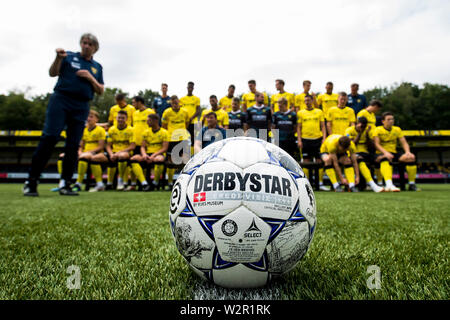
311,134
92,143
155,142
361,134
279,85
139,125
340,150
300,98
249,100
222,116
191,104
385,139
226,101
341,117
121,104
176,121
119,146
328,99
370,114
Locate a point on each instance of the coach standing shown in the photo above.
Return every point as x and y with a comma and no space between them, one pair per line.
79,77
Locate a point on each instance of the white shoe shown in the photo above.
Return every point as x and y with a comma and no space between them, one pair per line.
97,188
392,189
378,189
120,186
324,188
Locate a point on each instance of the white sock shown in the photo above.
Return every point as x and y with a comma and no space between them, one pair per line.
351,184
320,183
335,185
373,185
100,184
412,182
62,183
389,184
119,181
144,183
109,183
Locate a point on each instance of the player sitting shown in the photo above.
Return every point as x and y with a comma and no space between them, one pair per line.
385,139
361,134
209,134
155,142
119,145
335,151
92,143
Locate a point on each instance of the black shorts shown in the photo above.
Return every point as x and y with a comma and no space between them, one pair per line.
311,148
137,151
191,130
364,157
396,158
291,147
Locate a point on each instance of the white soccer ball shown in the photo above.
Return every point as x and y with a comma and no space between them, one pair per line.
241,212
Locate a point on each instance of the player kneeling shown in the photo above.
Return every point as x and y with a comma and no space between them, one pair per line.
91,152
361,134
385,139
335,151
154,145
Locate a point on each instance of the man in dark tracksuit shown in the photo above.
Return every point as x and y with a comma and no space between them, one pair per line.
79,77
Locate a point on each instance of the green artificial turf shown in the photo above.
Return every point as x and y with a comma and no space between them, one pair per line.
123,246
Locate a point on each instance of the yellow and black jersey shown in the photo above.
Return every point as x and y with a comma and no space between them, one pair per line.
310,121
361,146
330,145
225,103
340,118
327,101
140,123
115,110
176,123
154,139
370,116
300,101
92,137
190,104
388,138
288,96
249,99
120,138
222,117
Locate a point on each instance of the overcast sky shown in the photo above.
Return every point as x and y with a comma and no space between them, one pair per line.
216,43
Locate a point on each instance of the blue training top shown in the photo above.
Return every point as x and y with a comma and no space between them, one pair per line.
208,136
72,85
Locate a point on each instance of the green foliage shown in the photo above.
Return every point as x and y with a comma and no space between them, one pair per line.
414,107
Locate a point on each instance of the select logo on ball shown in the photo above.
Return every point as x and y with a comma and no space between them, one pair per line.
253,231
229,228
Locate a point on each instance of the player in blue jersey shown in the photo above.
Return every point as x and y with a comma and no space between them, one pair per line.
285,121
237,118
79,77
259,118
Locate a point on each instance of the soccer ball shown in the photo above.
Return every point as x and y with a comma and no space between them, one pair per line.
241,212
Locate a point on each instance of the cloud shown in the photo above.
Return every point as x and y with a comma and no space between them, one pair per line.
217,43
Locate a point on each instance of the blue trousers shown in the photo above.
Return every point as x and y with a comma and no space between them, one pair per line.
63,112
